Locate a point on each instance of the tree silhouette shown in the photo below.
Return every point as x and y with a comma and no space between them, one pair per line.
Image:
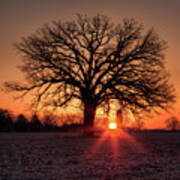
93,60
138,124
6,122
172,123
50,121
21,123
36,124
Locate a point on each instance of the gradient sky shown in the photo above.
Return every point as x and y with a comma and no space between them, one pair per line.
22,17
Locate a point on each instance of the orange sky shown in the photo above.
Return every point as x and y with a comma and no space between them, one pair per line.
21,18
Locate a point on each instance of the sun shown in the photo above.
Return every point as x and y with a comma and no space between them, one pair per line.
112,125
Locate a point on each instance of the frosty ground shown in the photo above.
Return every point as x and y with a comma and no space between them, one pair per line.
138,155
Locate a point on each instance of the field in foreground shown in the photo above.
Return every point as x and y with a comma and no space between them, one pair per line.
140,155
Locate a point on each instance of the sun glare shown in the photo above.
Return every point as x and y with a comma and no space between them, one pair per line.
112,126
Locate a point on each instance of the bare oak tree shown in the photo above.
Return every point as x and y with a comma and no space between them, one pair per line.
95,60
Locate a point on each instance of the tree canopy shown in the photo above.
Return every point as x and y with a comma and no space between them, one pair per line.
94,60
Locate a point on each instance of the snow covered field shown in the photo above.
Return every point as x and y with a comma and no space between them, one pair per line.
145,155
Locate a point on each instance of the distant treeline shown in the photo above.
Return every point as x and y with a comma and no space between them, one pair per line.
20,123
49,122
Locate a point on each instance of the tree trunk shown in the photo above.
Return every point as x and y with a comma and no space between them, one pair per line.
89,116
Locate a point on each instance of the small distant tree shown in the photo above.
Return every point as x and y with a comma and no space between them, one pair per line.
172,123
72,119
93,60
49,121
36,124
21,123
138,124
6,122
